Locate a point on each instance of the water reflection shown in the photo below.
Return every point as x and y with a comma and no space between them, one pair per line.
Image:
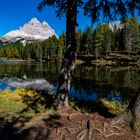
48,71
82,95
4,86
114,96
89,82
105,80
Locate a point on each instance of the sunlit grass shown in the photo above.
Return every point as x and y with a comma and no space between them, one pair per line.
20,103
114,107
11,101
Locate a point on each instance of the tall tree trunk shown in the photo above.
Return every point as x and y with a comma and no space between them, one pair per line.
68,62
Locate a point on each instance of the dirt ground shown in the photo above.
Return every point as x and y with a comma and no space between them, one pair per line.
66,124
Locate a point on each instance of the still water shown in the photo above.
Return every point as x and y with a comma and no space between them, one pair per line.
89,82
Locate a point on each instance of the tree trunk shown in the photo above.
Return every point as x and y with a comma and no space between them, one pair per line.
131,115
68,62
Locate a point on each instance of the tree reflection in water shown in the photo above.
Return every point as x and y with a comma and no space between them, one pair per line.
89,83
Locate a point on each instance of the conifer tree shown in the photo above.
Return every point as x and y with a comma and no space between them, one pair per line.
94,9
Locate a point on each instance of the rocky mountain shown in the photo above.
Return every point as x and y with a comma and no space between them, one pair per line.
33,30
116,25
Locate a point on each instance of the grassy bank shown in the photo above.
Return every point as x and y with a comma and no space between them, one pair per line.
20,103
111,59
15,59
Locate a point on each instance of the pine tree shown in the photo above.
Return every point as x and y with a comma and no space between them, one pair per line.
107,41
100,39
79,35
131,35
94,9
61,45
89,39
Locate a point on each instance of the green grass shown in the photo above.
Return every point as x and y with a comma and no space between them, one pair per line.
114,107
10,101
20,103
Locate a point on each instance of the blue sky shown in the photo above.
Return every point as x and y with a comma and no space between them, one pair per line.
15,13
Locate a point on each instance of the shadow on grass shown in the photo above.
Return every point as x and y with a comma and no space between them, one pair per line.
11,125
40,132
91,107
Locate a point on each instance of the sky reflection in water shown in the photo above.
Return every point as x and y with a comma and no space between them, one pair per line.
4,85
83,95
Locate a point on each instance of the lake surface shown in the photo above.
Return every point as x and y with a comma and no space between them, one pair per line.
90,82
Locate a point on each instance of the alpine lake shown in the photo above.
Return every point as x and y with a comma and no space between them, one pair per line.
90,82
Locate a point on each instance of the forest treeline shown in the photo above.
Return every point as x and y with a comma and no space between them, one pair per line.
101,41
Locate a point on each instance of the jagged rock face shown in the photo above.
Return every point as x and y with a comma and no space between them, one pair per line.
33,30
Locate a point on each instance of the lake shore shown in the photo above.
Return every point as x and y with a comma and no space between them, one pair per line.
115,59
16,60
112,59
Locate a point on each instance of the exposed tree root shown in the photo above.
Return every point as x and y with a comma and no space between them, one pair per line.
86,133
114,134
107,131
125,117
81,135
98,130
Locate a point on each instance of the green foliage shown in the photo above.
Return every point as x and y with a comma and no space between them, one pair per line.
132,35
101,34
2,54
79,36
107,41
87,40
50,48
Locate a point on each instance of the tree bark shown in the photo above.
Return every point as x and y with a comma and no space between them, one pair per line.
68,62
131,115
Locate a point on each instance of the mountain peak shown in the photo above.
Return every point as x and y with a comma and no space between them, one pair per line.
44,23
34,20
34,30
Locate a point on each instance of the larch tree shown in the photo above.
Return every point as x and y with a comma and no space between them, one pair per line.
96,9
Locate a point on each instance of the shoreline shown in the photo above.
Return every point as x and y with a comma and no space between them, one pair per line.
16,60
83,60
